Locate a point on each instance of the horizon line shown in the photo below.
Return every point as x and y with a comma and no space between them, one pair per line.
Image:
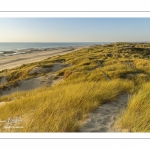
79,42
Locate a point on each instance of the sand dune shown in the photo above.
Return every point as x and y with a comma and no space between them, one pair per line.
33,83
37,55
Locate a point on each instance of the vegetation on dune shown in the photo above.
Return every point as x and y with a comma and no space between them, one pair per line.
54,110
137,116
95,75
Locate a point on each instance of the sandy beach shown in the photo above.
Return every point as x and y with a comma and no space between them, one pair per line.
11,59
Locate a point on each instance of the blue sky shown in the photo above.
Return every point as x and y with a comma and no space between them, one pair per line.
74,29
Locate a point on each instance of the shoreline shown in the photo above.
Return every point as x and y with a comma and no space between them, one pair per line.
9,60
30,50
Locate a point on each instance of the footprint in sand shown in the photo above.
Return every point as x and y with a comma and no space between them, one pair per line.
102,119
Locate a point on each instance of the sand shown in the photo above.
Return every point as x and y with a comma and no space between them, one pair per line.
7,62
3,80
37,82
103,118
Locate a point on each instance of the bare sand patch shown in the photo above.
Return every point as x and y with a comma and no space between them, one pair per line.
3,80
37,70
30,84
3,103
103,118
57,67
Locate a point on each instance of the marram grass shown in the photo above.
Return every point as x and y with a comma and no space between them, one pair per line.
60,108
137,115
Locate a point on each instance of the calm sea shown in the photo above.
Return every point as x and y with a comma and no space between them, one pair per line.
20,46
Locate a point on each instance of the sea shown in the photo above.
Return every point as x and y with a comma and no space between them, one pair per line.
20,46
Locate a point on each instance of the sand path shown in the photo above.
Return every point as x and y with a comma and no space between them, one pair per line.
103,119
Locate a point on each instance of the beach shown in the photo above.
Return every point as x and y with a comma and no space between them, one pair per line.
11,59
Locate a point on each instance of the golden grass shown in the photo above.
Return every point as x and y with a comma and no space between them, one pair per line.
137,115
60,108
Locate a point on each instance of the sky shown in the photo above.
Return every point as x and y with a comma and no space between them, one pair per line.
74,29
